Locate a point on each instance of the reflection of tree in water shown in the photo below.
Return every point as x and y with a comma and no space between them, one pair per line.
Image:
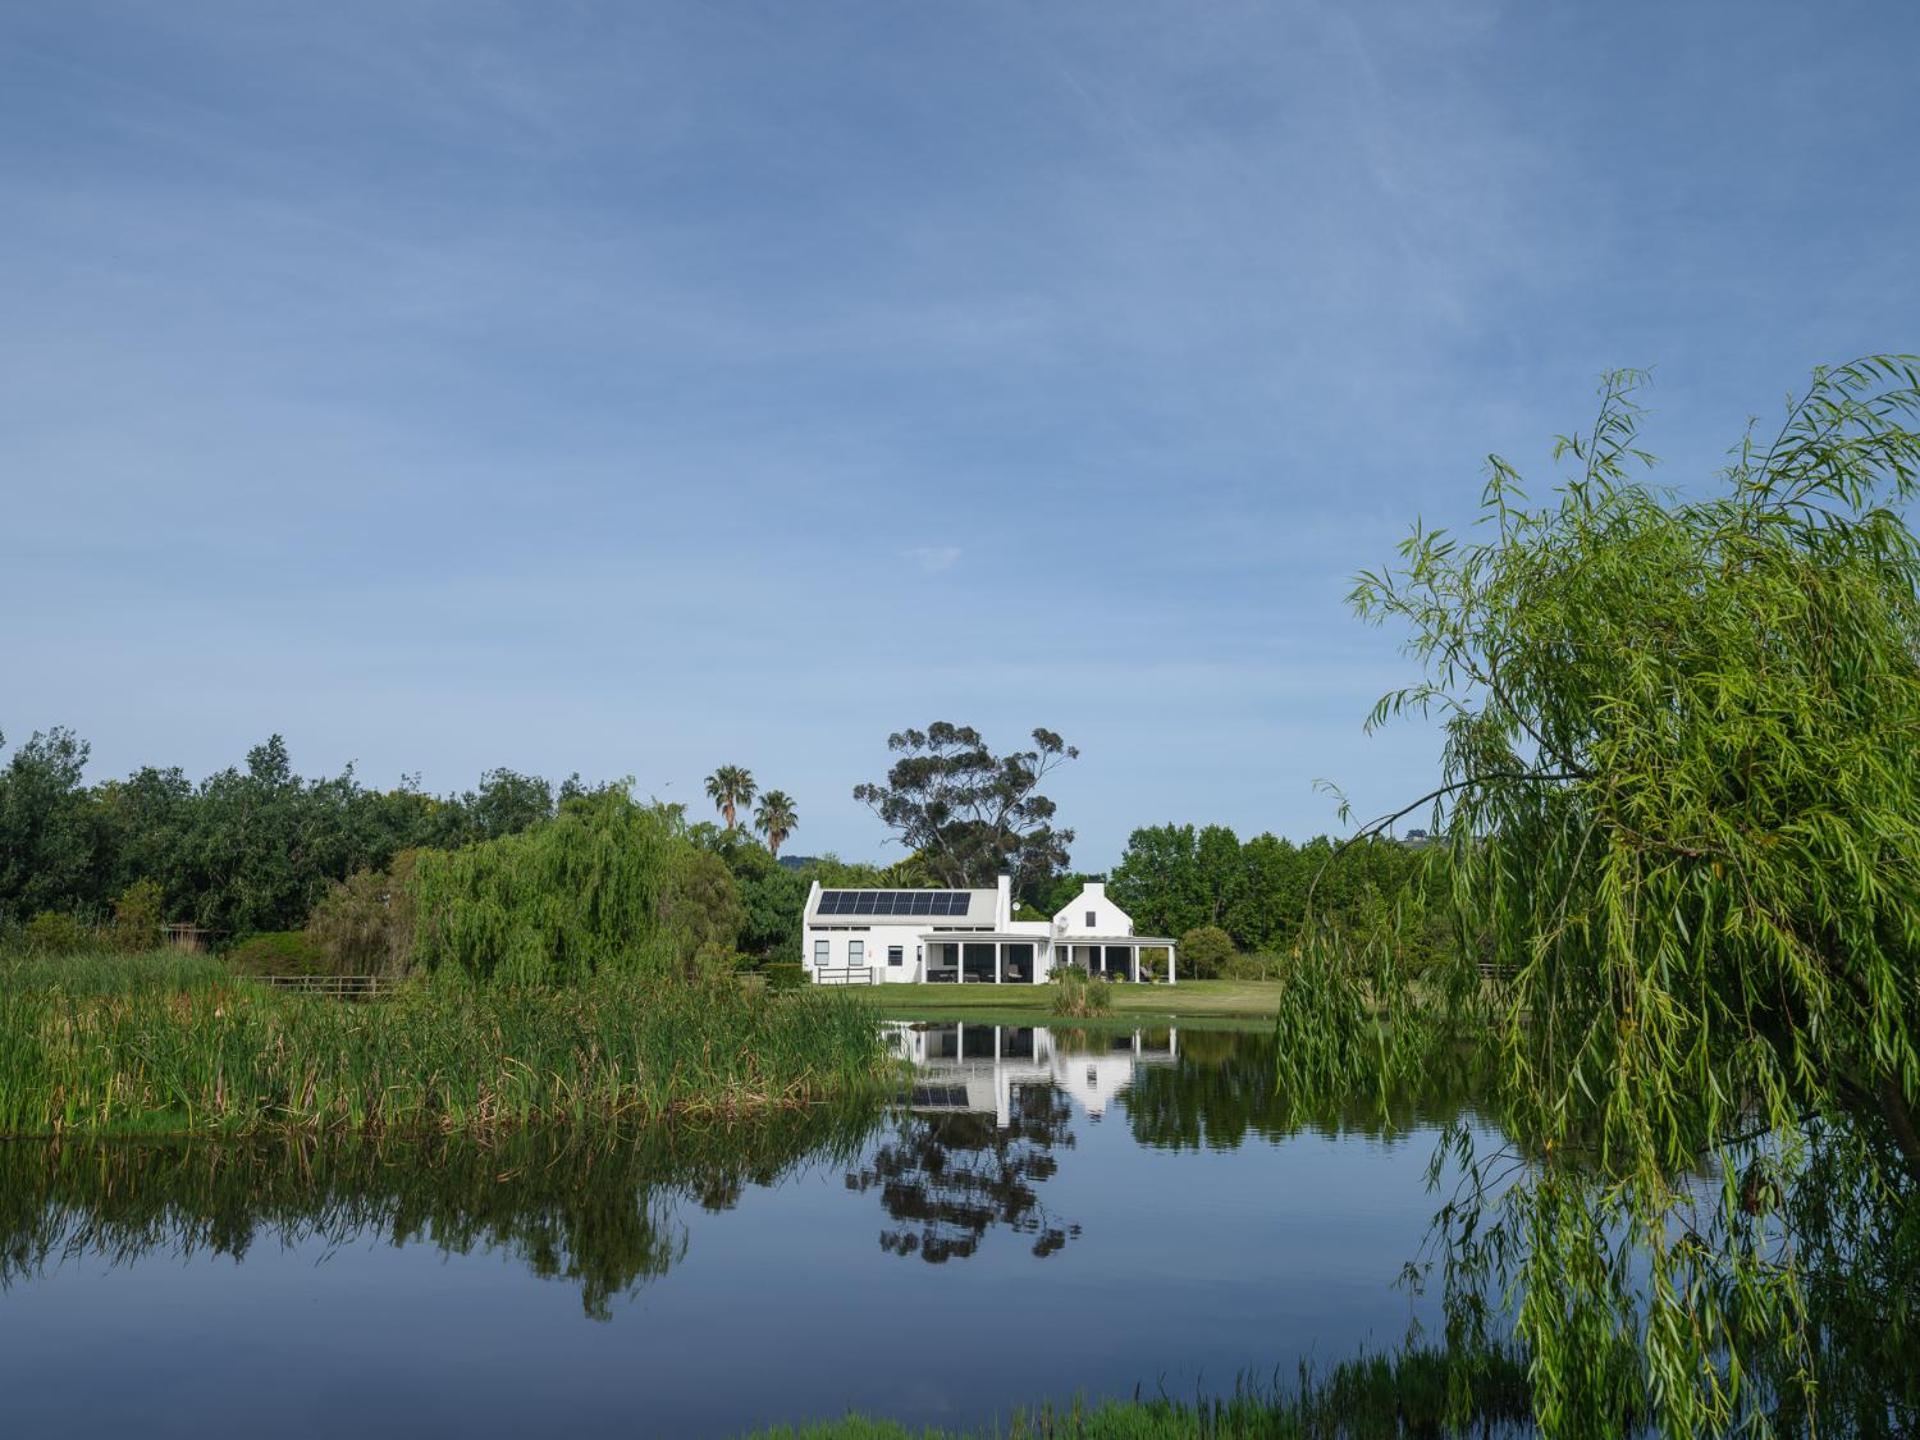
595,1209
1223,1088
949,1179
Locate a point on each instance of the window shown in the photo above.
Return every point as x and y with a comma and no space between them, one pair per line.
896,954
1093,920
856,953
819,954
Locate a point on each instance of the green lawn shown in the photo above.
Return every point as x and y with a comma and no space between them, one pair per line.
1031,1004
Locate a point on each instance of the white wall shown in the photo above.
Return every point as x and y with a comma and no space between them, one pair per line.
1109,918
876,938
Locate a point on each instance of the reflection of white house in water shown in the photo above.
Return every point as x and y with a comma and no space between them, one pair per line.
872,937
977,1068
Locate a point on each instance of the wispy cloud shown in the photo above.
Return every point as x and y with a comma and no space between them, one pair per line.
932,559
607,353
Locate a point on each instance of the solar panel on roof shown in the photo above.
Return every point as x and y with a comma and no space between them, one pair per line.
895,902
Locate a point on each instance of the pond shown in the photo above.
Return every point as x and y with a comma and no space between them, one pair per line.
1045,1213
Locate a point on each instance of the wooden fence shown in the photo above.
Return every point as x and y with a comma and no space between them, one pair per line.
337,987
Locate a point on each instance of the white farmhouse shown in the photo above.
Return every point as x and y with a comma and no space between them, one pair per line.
876,937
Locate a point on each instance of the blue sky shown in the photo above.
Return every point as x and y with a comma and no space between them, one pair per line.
634,389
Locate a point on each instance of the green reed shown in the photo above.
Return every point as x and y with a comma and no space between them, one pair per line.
218,1056
109,972
1372,1397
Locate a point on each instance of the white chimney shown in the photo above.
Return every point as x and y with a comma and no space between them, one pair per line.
1003,903
1095,890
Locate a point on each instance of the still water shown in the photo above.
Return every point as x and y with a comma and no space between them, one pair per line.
1046,1212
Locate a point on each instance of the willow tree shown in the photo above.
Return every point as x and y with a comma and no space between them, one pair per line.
1680,807
585,893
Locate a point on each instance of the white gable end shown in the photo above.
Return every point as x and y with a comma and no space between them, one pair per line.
1092,913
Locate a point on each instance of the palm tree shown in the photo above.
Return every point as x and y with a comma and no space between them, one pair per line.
730,788
775,819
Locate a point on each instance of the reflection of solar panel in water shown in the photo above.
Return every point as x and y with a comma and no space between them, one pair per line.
939,1097
895,902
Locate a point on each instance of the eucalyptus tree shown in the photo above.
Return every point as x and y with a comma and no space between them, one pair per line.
776,819
1680,817
967,814
731,789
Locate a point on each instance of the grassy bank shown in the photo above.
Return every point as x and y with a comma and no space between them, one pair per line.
1031,1004
157,1045
1373,1398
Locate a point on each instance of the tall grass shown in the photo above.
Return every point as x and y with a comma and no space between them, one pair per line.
213,1056
107,972
1378,1397
1079,995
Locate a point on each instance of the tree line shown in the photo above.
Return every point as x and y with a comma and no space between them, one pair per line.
257,848
249,848
1174,879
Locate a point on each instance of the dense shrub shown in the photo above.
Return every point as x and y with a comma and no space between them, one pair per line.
1263,966
785,975
138,916
1205,952
52,933
278,952
701,908
364,925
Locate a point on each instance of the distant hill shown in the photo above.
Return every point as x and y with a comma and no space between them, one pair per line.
799,862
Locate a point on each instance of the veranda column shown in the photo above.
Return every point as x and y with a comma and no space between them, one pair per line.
1169,964
1133,951
997,948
